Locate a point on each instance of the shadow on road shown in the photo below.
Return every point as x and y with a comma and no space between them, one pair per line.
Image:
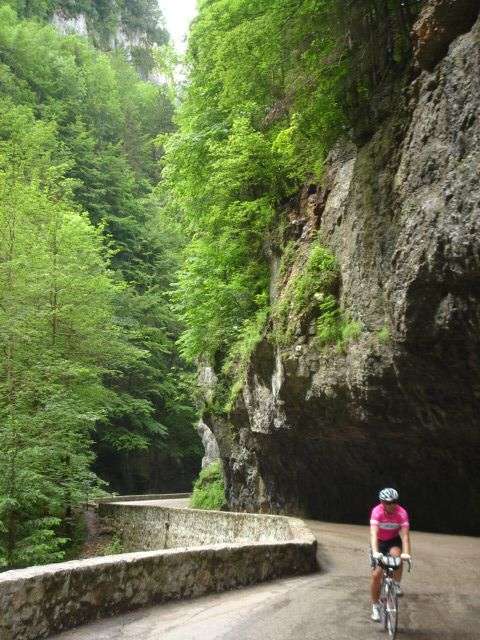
431,634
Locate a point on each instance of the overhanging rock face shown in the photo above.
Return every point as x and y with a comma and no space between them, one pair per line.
40,601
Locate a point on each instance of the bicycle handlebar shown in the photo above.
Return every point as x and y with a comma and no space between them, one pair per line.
376,561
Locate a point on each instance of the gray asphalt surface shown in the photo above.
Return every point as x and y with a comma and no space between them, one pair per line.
442,599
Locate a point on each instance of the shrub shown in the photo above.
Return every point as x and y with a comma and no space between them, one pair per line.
236,365
113,547
287,259
320,275
209,489
329,323
384,334
332,326
307,293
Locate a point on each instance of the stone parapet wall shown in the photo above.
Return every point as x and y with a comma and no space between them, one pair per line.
40,601
149,496
142,527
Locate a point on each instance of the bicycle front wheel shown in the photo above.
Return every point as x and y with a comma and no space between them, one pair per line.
391,611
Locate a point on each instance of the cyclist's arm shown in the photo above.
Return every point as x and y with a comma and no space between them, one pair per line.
374,537
405,536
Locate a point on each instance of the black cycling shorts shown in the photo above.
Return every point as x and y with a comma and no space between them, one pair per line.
385,545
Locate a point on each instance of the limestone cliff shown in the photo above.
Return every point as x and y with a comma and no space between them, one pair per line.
134,27
320,430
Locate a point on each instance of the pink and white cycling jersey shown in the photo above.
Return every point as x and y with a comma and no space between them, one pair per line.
389,524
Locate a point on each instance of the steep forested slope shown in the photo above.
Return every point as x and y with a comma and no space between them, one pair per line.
87,329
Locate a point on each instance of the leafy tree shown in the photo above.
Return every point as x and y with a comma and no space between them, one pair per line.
58,337
87,320
259,113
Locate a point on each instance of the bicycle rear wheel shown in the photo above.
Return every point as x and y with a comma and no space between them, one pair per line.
391,611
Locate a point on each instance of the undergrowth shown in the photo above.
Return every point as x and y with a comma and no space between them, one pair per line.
333,328
209,489
305,293
236,365
312,293
383,335
113,547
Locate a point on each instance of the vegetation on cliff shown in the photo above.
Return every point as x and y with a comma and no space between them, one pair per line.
136,25
272,85
209,488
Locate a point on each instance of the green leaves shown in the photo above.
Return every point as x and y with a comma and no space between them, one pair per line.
224,272
87,329
57,334
259,114
310,292
209,488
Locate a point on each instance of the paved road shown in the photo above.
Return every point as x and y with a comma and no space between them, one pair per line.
442,599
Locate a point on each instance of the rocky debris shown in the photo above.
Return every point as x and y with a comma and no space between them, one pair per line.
321,430
440,22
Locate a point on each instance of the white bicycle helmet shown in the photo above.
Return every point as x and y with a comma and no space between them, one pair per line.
388,495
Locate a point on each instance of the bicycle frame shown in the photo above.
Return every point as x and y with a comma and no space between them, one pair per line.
388,592
389,601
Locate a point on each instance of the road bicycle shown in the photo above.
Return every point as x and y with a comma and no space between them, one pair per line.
389,591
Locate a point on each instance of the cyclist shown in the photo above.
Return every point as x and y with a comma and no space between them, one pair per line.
389,534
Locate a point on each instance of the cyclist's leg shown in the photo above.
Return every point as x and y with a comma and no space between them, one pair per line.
375,584
377,574
397,552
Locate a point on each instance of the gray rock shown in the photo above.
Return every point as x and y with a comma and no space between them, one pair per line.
440,22
210,445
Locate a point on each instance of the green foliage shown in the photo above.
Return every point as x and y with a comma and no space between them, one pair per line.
236,365
58,336
351,331
308,292
384,334
260,112
329,322
270,86
112,548
87,327
77,533
287,259
320,274
209,489
333,328
223,278
105,19
312,293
